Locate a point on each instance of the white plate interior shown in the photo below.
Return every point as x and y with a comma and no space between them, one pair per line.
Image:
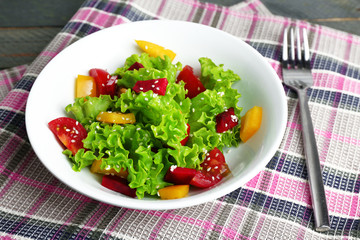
108,49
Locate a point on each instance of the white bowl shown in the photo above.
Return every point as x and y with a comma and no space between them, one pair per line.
108,49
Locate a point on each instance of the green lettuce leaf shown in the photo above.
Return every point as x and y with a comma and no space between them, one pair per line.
215,77
86,109
81,159
218,97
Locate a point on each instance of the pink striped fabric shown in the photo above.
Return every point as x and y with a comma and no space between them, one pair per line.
275,204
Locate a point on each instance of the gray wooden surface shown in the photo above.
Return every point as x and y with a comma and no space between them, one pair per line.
26,27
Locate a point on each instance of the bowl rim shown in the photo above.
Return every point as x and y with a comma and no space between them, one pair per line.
174,203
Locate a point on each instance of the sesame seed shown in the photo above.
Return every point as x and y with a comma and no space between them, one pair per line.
193,110
234,118
156,81
73,140
208,169
216,167
141,88
173,167
157,88
152,86
68,130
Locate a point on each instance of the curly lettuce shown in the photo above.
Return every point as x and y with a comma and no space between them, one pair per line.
149,147
86,109
154,67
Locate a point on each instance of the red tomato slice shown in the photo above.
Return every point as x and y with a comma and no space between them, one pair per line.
192,83
105,83
179,175
70,132
214,168
118,184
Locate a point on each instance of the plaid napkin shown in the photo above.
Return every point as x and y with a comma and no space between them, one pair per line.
275,204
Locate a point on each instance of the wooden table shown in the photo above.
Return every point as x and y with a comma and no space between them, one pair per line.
26,27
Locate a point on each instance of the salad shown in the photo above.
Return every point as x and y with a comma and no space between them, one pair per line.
153,127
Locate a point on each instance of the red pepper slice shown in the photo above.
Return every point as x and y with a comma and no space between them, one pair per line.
158,86
179,175
226,120
105,83
192,82
118,184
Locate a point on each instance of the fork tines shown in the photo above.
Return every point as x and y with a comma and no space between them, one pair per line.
295,56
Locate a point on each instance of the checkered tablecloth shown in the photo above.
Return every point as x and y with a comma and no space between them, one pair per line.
275,204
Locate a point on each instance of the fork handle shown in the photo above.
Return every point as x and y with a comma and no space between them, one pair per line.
317,190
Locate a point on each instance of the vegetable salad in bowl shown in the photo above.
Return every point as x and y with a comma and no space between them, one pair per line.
153,127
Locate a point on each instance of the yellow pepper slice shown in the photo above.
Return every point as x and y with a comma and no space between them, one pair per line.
95,168
155,50
250,123
116,117
174,192
85,86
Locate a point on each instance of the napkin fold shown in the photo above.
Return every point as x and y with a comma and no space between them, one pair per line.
275,204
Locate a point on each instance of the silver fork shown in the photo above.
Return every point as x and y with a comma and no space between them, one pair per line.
297,75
